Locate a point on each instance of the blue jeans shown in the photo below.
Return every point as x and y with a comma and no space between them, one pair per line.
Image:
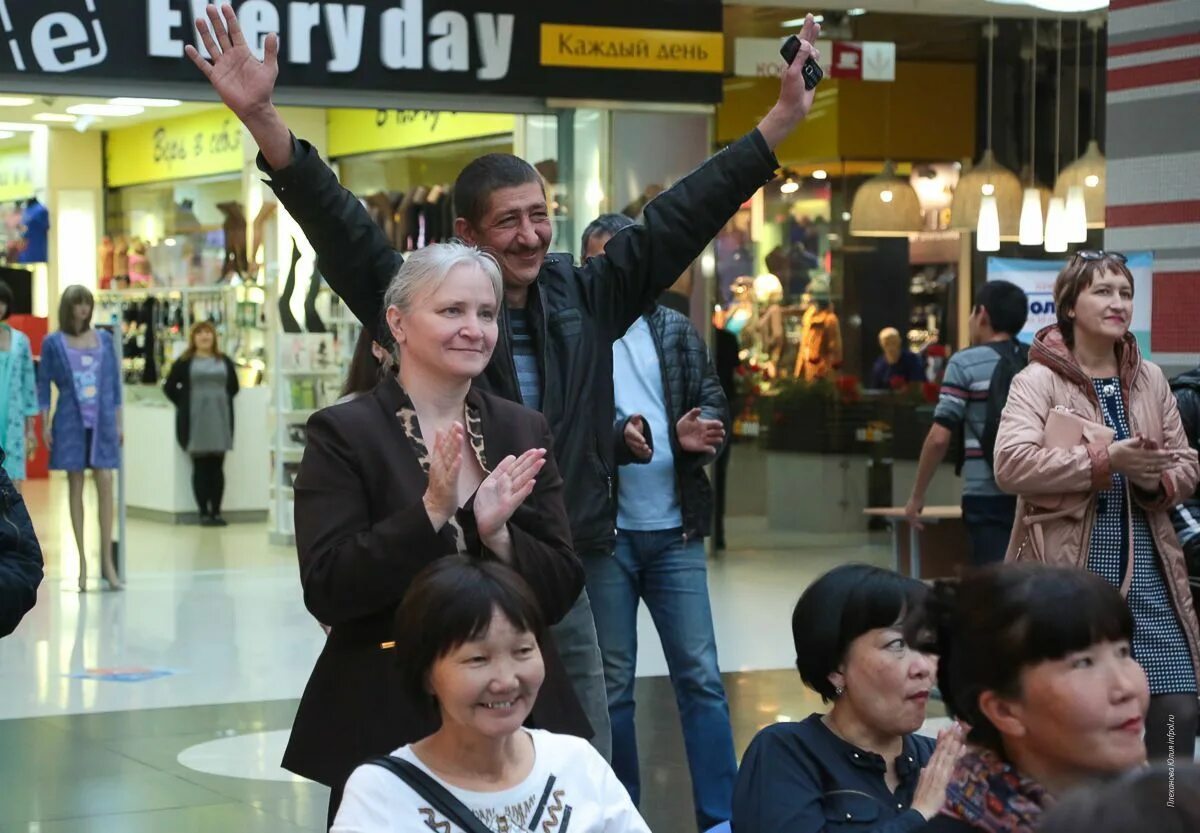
670,574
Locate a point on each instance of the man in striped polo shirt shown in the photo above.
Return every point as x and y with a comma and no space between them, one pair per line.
988,513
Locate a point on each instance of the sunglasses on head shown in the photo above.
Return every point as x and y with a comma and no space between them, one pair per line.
1099,254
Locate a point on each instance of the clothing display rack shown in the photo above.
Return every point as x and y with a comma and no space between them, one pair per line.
413,219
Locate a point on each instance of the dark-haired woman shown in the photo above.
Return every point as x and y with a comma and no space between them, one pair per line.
1037,661
86,430
1103,504
369,365
202,384
468,639
1162,798
422,467
860,767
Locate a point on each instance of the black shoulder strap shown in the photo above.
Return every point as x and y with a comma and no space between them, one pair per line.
439,797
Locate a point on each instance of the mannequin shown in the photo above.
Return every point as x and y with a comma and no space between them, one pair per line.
106,252
821,338
259,241
139,264
286,319
312,319
235,240
35,222
85,432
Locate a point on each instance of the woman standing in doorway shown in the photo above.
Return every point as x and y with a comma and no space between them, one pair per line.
85,432
18,393
202,384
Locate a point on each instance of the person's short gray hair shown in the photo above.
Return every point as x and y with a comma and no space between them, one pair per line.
424,270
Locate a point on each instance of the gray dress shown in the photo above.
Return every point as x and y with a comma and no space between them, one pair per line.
211,429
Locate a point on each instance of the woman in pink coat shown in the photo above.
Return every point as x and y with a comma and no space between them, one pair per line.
1100,500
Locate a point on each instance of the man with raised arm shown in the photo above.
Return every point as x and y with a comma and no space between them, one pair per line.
555,348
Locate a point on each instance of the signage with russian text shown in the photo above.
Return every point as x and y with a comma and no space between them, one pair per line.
665,50
203,144
370,131
16,175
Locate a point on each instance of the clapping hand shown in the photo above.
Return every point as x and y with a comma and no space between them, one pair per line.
930,794
506,488
1141,460
699,435
445,462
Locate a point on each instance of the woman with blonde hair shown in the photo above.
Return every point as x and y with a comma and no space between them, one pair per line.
202,384
86,430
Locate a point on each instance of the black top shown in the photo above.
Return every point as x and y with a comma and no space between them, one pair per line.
802,778
178,389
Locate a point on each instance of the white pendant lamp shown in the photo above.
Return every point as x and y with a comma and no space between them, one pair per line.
1056,214
1030,231
1089,171
988,178
1077,226
987,233
1056,226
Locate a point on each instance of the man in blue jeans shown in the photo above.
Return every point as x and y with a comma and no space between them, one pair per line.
671,421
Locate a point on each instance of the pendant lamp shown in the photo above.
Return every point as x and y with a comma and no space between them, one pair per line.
1056,215
1076,210
1088,172
1031,229
987,232
885,206
989,177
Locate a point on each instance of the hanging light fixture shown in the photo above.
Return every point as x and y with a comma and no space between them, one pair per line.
987,233
1088,172
1031,206
885,206
1076,210
1056,215
989,177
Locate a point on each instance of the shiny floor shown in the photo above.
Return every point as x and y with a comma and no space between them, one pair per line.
166,707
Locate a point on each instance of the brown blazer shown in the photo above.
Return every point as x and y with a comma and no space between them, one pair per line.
362,535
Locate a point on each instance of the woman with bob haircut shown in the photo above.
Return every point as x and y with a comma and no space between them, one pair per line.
1092,444
860,767
86,430
468,642
422,467
1037,661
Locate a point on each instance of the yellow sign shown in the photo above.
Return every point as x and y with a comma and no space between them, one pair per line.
16,176
611,47
369,131
203,144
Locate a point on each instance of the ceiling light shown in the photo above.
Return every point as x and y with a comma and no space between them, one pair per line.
1077,224
6,134
797,22
846,216
789,187
858,12
57,118
1088,170
820,174
987,232
105,110
1032,221
1060,6
145,102
15,101
1056,225
885,206
886,196
1091,180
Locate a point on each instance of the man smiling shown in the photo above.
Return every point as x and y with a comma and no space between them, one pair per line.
554,352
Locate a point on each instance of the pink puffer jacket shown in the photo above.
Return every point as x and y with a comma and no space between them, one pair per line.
1024,468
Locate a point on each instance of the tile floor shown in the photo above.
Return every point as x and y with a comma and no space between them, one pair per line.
166,707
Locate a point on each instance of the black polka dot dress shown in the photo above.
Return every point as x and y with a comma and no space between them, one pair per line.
1159,644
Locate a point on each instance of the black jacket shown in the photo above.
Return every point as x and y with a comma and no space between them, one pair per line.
20,557
363,534
575,312
688,381
178,389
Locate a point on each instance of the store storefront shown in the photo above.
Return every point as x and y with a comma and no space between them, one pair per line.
180,228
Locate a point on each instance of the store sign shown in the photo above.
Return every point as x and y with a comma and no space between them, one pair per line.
475,47
369,131
609,47
16,175
1037,278
203,144
760,58
864,60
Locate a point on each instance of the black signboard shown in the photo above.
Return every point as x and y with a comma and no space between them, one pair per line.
652,50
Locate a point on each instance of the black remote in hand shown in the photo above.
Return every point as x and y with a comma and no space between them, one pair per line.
811,70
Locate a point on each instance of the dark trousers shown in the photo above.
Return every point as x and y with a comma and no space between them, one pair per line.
989,521
335,801
208,483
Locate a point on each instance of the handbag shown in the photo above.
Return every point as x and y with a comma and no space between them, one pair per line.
1067,429
438,797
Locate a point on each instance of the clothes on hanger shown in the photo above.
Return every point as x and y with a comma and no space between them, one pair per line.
35,222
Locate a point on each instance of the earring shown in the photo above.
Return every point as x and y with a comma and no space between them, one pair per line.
837,690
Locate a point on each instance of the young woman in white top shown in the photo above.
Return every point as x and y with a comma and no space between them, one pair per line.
468,635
